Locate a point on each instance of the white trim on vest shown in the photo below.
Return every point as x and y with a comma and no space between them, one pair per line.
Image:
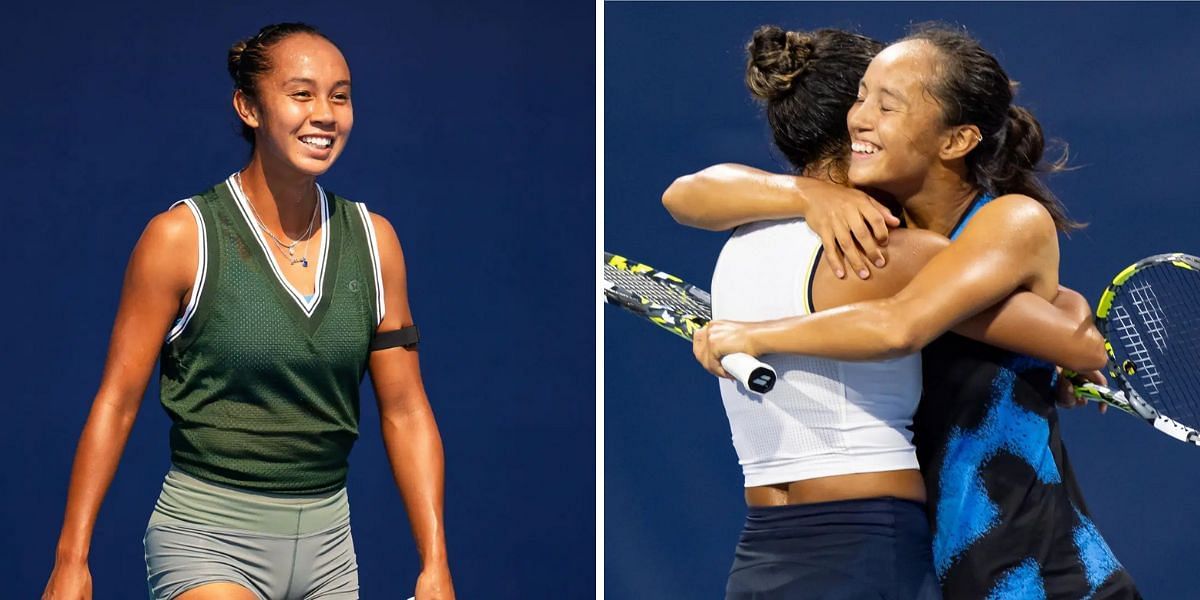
373,244
201,270
308,305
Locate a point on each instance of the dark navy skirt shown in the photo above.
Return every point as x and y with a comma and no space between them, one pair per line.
851,549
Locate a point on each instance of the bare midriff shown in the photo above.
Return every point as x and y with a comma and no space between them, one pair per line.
905,484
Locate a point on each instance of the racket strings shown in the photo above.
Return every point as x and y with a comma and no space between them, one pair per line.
1155,325
655,290
1130,337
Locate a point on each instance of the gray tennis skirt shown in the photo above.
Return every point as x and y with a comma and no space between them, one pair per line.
279,547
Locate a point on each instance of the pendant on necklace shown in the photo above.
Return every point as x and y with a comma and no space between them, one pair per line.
304,261
291,252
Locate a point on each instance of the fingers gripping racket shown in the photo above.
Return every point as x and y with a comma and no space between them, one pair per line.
1150,318
678,307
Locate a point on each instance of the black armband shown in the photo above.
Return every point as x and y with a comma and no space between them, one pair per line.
405,336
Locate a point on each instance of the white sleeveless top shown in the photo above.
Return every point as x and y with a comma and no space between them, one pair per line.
824,417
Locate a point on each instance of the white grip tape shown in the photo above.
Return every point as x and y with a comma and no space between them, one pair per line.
756,375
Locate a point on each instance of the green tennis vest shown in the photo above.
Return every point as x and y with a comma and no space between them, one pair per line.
261,384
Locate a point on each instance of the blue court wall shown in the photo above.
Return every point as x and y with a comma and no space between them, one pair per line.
1117,81
474,134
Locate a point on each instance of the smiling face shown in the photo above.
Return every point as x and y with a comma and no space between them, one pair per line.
302,114
897,131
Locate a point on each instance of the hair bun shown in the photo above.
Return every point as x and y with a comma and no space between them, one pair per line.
235,58
777,58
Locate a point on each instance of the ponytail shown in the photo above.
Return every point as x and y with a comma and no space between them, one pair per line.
974,89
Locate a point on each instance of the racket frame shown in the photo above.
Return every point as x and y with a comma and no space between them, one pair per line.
1125,397
752,373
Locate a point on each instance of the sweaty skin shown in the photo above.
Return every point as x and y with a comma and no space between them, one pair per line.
1005,263
1003,249
901,147
853,226
1023,322
307,93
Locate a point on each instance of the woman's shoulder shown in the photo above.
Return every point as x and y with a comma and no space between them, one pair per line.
1016,214
172,228
1015,206
166,253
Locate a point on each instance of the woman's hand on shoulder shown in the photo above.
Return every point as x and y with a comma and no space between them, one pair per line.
727,195
852,225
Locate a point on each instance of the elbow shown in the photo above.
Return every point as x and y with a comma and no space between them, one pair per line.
1087,352
1094,356
116,407
673,199
900,325
902,339
680,200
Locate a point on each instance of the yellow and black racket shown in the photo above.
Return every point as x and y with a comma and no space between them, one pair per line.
678,307
1150,318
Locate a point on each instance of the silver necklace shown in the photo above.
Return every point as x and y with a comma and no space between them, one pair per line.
290,248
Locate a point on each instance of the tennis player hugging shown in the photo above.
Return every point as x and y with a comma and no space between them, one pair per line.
967,316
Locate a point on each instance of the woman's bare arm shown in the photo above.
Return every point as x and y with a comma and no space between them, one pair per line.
1060,331
852,225
1011,245
410,434
158,278
724,196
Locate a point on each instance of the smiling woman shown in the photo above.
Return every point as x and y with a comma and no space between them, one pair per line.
934,126
286,95
263,297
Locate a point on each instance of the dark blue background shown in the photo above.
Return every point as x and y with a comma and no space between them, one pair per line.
1118,82
475,136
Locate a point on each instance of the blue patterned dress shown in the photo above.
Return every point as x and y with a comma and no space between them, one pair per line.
1008,518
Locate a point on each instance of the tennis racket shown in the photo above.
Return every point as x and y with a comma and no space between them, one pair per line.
678,307
1150,318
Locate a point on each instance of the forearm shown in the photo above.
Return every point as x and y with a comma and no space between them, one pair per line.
724,196
855,332
414,449
1061,332
96,457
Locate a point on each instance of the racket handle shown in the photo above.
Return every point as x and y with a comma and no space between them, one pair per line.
756,375
1087,390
